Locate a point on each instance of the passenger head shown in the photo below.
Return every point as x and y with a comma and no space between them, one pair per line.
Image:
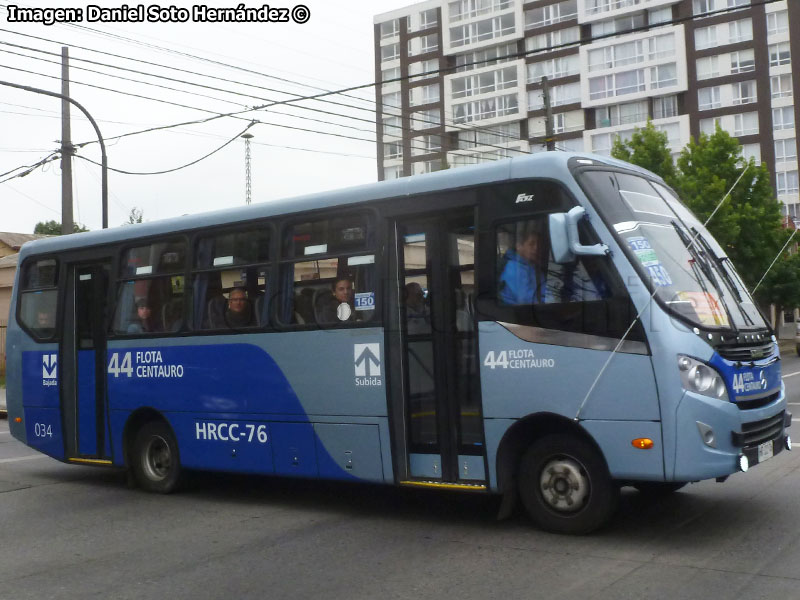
414,295
143,310
528,245
237,300
44,318
342,288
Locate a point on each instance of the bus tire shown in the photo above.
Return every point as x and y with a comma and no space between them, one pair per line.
658,489
565,485
155,462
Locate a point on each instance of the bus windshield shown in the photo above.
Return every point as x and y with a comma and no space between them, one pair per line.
687,269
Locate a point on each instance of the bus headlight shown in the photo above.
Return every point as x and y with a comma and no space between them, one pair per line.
700,378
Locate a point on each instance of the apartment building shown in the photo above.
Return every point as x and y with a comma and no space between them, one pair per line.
462,81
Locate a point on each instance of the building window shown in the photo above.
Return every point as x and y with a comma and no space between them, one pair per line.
498,134
484,83
390,52
659,15
467,9
555,68
779,54
481,31
663,76
389,74
390,28
560,38
428,18
391,103
752,151
740,31
392,126
745,124
744,92
781,85
787,182
618,25
392,150
778,22
549,15
426,119
424,69
430,42
708,98
392,172
743,61
783,118
705,37
665,107
490,108
616,84
709,126
786,150
707,67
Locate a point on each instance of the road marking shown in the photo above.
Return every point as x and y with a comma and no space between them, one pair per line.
31,457
795,445
793,403
791,374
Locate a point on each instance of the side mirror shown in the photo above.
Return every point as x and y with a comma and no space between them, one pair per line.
564,239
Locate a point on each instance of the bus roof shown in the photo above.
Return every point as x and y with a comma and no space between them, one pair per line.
521,167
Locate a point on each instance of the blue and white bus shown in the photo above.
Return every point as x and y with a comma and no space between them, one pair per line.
548,328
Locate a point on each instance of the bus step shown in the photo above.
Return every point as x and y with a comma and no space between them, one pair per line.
463,487
90,461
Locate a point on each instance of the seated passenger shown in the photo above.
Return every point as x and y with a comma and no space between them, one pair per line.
144,322
239,312
523,280
338,307
418,315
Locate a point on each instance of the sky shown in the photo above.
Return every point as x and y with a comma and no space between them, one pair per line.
237,66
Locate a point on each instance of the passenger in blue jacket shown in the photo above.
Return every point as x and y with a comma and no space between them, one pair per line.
523,280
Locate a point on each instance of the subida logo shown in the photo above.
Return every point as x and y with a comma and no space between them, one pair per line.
49,370
524,198
367,362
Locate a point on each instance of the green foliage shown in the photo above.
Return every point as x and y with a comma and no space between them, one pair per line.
54,228
647,148
748,224
781,286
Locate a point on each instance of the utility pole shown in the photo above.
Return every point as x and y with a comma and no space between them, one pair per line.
548,115
67,149
247,189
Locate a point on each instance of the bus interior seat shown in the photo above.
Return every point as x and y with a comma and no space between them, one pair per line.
304,306
172,314
215,312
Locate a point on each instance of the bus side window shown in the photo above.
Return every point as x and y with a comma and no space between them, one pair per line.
328,273
532,289
39,297
230,282
150,291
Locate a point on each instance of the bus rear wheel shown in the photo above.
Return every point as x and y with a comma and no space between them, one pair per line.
565,485
155,460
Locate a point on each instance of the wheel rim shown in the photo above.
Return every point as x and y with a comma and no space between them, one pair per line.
157,458
564,485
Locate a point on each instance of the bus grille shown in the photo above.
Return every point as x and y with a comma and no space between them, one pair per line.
759,432
758,402
746,353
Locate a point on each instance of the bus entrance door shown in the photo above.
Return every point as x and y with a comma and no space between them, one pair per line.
84,349
436,404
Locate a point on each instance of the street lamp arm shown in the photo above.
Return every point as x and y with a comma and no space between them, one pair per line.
104,158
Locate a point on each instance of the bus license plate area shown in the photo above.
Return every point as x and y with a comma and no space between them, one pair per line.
765,451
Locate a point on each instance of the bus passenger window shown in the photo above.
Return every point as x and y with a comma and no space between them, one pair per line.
328,279
39,297
151,289
230,282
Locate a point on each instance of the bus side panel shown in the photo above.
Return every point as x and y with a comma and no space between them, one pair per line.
494,430
519,378
223,443
43,430
623,459
40,378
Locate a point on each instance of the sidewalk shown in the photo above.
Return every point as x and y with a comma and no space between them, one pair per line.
3,411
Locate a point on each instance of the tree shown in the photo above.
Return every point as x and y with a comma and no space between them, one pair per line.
135,217
748,224
647,148
54,228
781,286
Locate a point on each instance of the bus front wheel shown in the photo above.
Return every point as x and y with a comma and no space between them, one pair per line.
565,485
155,461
